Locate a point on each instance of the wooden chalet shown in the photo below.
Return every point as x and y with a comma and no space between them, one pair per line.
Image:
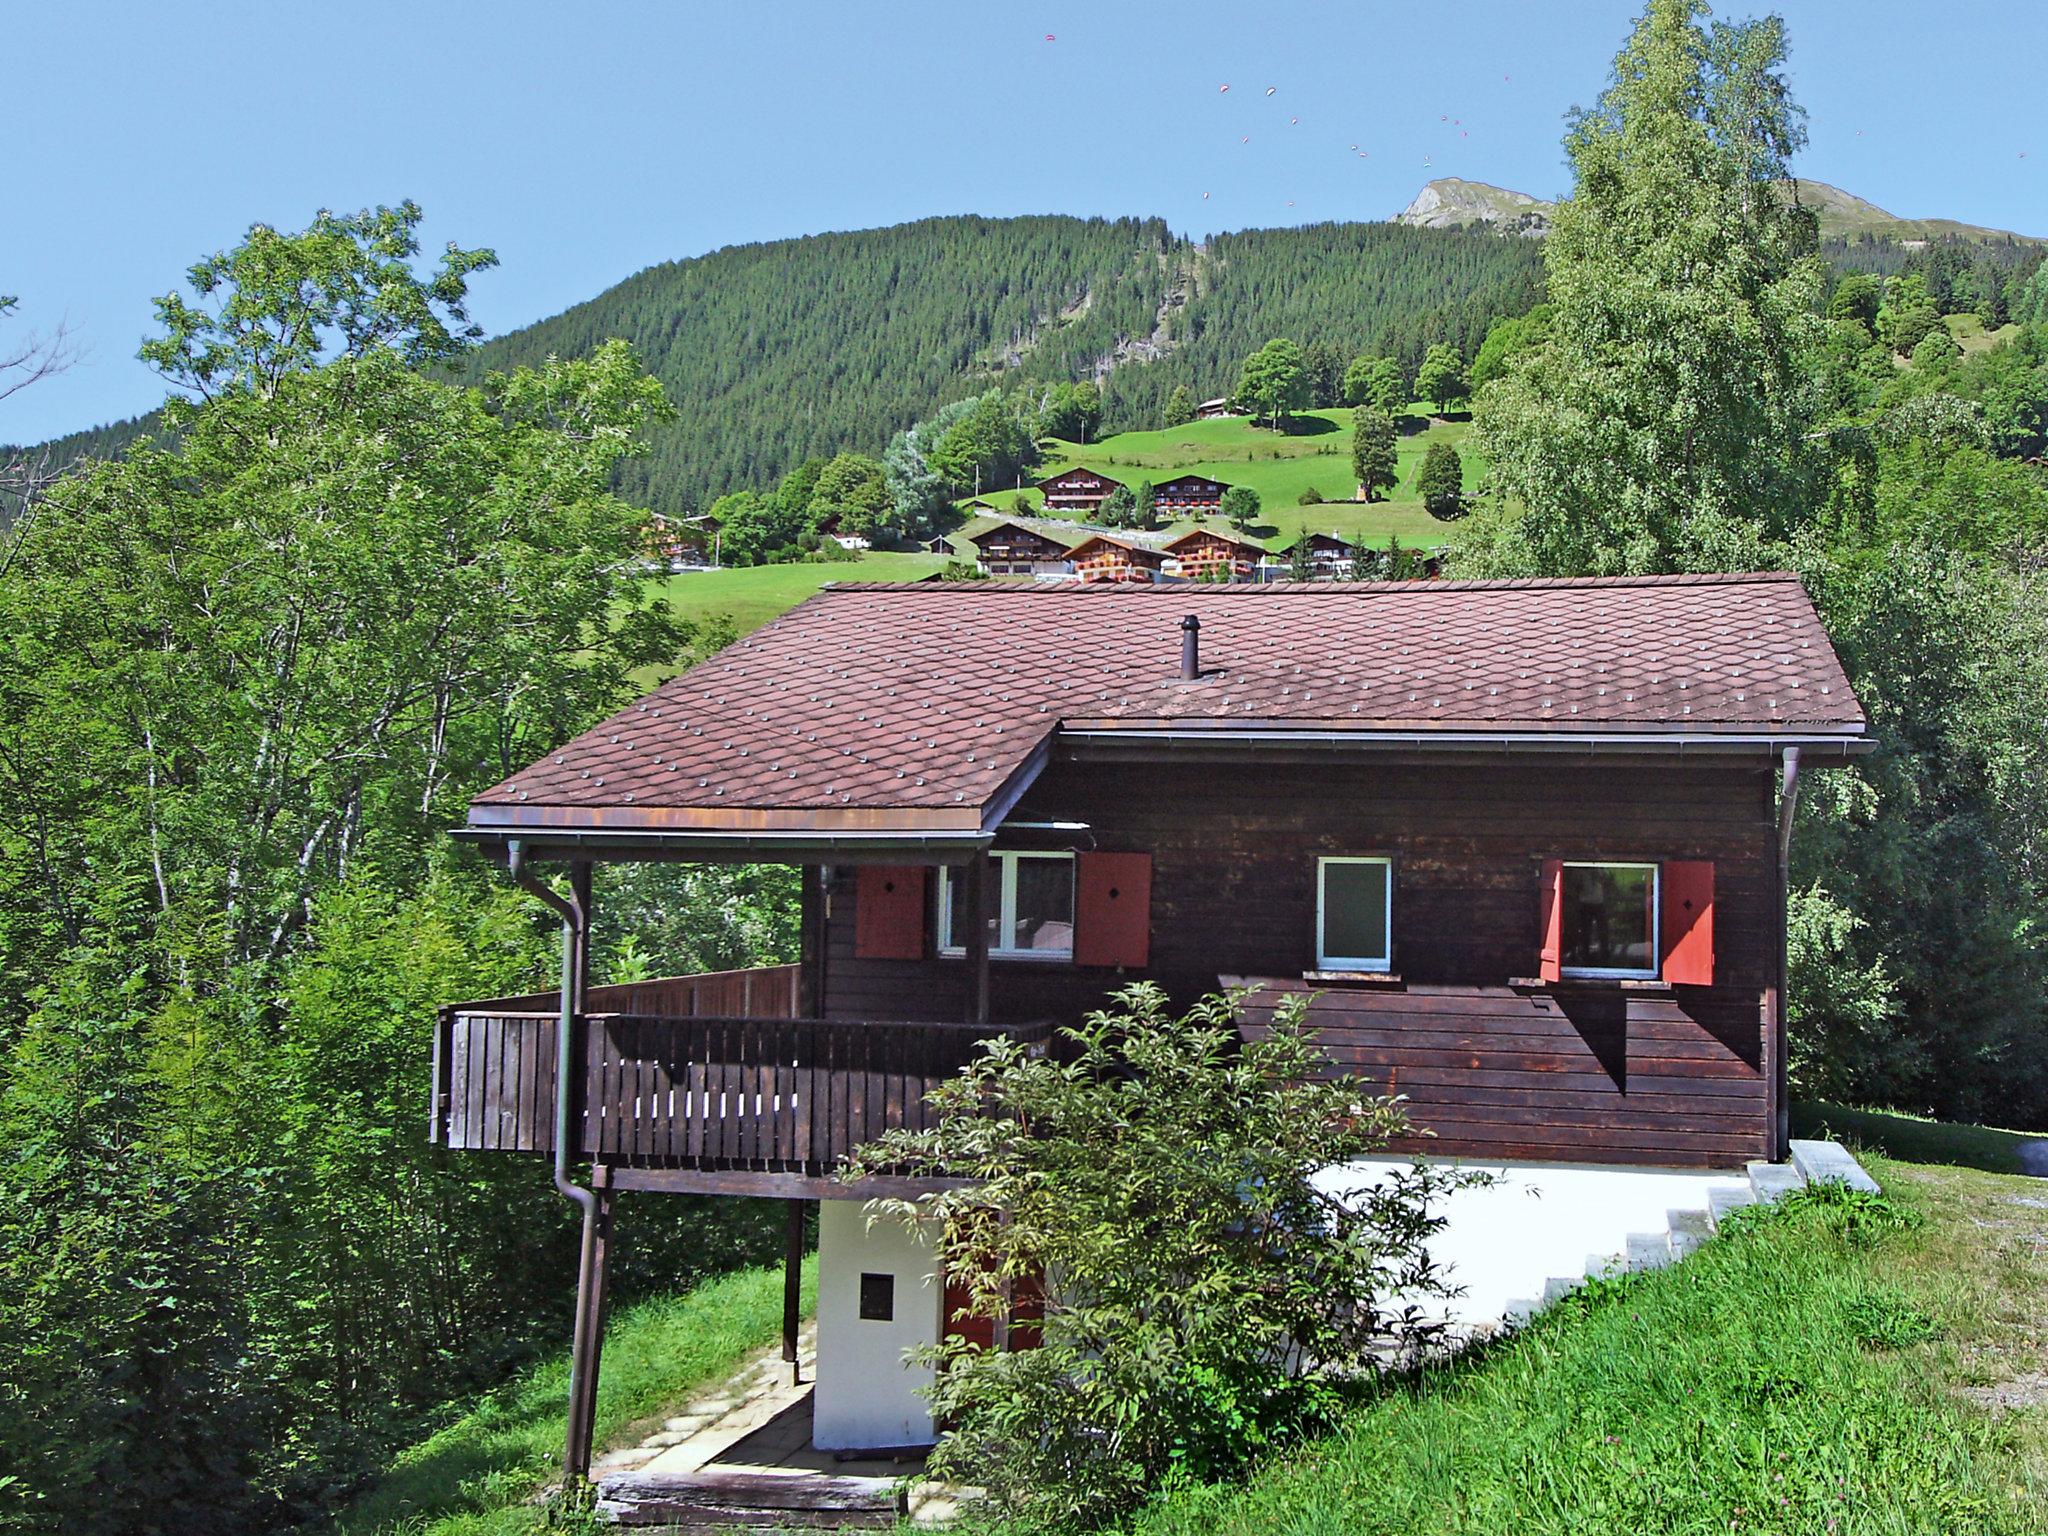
684,540
1205,554
1188,496
1330,555
1106,558
1012,549
1078,490
1214,410
1525,843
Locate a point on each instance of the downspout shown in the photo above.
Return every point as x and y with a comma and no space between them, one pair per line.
1788,801
572,916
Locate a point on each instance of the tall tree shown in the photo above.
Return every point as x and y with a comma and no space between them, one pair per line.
1441,378
1145,506
1273,382
1441,481
1180,407
1240,505
1375,381
1374,456
1668,411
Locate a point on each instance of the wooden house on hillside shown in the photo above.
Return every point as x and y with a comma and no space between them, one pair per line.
1207,554
1188,496
1078,492
1330,555
1523,842
1214,410
683,540
1107,558
1012,549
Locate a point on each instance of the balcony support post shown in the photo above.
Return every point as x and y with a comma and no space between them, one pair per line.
793,1283
811,935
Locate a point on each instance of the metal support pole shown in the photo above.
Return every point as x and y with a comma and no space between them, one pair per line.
1781,1087
793,1284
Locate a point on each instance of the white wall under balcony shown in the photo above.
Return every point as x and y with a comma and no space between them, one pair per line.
867,1394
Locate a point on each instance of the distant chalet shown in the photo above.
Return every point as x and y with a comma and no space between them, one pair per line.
1105,558
1204,554
1196,494
1079,489
1011,549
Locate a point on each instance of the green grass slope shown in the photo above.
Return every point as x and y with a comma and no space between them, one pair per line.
477,1476
1818,1372
752,595
1279,466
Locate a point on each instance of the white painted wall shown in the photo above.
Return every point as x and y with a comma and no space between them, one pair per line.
1503,1240
867,1394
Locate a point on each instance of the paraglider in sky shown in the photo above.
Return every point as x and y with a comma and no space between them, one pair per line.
1222,88
1205,197
1271,89
1292,121
1048,37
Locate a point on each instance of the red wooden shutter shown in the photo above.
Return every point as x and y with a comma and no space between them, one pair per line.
1686,922
888,912
1112,908
1550,922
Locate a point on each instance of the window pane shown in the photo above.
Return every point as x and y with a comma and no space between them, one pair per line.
1355,912
1045,905
1607,924
956,905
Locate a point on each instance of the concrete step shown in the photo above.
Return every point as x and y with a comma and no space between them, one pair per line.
1557,1287
1774,1181
1825,1161
1721,1201
1649,1250
1605,1266
1689,1228
1516,1313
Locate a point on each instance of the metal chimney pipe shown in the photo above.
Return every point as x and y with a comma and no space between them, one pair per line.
1190,648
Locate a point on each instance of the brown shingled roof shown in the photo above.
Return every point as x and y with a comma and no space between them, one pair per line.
914,707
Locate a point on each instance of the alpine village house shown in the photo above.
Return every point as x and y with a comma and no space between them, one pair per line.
1524,842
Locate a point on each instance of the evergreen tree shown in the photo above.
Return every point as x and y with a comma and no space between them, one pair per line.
1119,509
1301,563
1856,297
1324,366
1374,456
1180,407
1144,509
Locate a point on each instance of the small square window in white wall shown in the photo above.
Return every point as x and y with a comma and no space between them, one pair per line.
1609,921
1030,907
1354,914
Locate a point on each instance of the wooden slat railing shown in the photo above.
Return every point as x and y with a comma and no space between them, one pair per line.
763,1095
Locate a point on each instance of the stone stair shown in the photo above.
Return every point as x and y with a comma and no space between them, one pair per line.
1815,1162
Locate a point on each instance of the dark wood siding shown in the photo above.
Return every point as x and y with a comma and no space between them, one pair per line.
1665,1077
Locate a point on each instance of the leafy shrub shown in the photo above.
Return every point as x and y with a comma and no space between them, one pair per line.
1204,1298
1883,1319
1309,498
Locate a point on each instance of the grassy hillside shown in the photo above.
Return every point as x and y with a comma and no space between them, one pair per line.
750,596
1279,466
475,1477
1835,1367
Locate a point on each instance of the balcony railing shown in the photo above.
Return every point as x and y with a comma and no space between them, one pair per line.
763,1095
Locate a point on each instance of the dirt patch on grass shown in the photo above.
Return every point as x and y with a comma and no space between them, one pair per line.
2020,1392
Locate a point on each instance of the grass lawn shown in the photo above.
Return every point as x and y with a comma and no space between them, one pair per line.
1912,1138
1969,332
474,1478
752,595
1820,1370
1279,466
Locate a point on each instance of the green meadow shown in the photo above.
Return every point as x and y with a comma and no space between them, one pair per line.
1314,455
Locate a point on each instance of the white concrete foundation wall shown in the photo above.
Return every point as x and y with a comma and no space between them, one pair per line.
867,1397
1502,1241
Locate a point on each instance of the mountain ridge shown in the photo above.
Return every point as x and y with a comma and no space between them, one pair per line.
1454,202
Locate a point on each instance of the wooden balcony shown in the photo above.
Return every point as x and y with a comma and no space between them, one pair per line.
713,1104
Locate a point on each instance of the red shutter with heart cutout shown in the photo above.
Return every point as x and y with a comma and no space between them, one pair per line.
1685,922
888,912
1113,909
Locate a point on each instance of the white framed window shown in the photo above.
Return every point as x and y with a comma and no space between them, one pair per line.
1608,922
1354,914
1030,906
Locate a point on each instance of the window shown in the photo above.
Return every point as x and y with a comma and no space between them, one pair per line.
1354,914
1030,906
877,1298
1609,923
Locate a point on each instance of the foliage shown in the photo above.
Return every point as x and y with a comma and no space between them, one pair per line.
1441,378
991,442
1273,382
1301,564
1374,457
1441,481
1203,1295
1668,411
480,1471
1375,381
1180,407
1777,1381
1506,340
1072,411
1239,506
252,670
849,495
1144,506
1119,509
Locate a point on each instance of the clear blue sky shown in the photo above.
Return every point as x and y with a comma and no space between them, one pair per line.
584,141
